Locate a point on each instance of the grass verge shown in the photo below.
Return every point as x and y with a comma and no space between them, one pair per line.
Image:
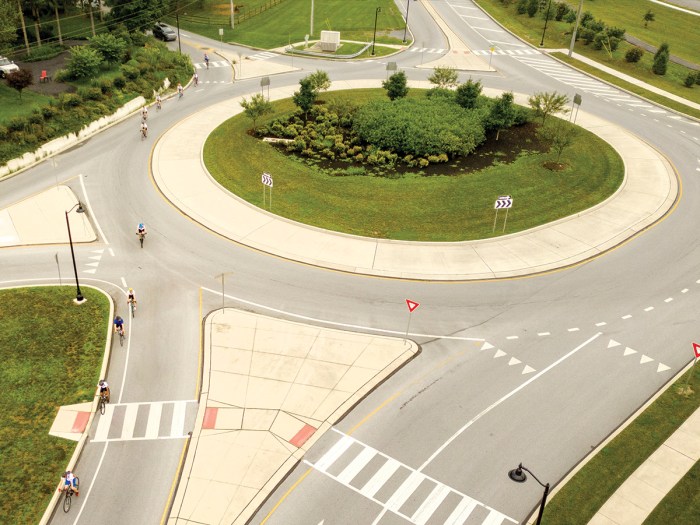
51,352
592,486
12,105
413,207
682,504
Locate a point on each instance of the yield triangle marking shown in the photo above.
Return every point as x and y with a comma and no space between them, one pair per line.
97,251
499,353
629,351
528,370
662,367
486,346
95,257
613,343
90,271
514,361
92,264
645,359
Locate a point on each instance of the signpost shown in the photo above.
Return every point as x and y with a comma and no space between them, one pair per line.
503,201
412,305
267,182
265,81
221,38
577,103
491,49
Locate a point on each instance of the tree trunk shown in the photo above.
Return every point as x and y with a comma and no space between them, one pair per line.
498,132
58,22
37,26
99,8
92,20
24,26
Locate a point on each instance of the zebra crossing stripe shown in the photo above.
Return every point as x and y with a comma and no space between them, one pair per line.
430,505
154,420
177,424
104,423
129,421
407,488
461,512
380,477
334,453
357,465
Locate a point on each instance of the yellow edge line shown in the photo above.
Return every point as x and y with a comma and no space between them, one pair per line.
285,495
173,486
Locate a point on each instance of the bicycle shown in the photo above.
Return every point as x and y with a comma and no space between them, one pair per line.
101,404
120,331
142,236
69,495
144,133
132,307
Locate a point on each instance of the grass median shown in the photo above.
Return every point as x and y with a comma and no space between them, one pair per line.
52,351
592,486
413,207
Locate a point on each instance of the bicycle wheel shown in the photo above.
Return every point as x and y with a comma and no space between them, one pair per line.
121,338
133,309
101,405
67,501
141,240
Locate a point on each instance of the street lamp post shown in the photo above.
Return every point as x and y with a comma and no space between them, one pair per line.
374,38
78,296
519,476
408,6
546,19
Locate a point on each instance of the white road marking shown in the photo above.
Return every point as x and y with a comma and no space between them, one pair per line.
380,477
685,290
153,420
123,282
92,214
354,468
334,453
111,252
430,505
488,29
129,421
87,495
601,323
543,333
512,337
626,316
573,330
668,300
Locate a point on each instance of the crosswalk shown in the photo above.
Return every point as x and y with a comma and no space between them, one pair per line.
417,498
426,50
507,52
263,55
212,63
142,421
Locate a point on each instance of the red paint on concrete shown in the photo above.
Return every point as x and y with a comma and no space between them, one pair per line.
80,422
302,436
210,417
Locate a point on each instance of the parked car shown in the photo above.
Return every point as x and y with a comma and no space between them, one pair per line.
7,66
164,32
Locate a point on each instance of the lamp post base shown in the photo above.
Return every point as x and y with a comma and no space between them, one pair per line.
80,300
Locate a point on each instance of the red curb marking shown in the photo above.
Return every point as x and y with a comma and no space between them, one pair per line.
302,436
81,420
210,417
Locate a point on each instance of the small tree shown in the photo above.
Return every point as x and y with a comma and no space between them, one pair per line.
634,54
648,17
558,135
689,80
503,113
305,97
444,77
396,86
320,81
468,94
532,7
660,64
84,62
545,104
255,108
19,80
109,46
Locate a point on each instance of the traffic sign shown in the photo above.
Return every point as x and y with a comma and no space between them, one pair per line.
696,349
412,305
503,202
267,179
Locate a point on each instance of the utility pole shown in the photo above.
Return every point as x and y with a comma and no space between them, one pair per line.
573,36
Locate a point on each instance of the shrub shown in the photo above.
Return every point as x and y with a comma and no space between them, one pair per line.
617,32
110,47
4,132
634,54
48,112
570,17
17,124
697,77
61,75
561,9
104,85
661,60
532,7
522,7
587,35
90,93
68,100
689,80
130,72
84,62
119,82
35,117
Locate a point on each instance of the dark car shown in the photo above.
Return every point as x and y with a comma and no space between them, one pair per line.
164,32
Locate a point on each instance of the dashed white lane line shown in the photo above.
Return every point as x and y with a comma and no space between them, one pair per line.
111,251
684,290
123,282
572,330
512,337
543,333
668,300
626,316
603,323
648,308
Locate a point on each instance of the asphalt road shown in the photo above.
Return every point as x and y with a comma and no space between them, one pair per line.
457,414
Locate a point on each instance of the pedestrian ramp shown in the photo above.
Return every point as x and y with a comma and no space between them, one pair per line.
212,63
401,489
146,421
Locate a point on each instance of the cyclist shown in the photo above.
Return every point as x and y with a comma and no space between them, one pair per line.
118,325
179,90
144,129
141,229
206,60
196,79
104,387
159,101
144,113
69,480
131,297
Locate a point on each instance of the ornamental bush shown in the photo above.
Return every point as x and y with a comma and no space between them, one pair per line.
634,54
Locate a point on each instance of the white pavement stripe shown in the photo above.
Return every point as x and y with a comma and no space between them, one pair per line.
104,424
129,421
334,453
356,465
430,505
380,477
494,518
488,29
177,425
404,492
461,512
153,420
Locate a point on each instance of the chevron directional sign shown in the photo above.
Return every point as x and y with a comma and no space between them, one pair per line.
503,202
267,179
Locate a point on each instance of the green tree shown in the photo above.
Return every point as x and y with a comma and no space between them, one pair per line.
503,113
19,80
320,81
444,77
689,80
256,107
396,86
111,48
660,64
84,62
468,94
648,17
306,96
558,135
9,21
532,7
545,104
138,15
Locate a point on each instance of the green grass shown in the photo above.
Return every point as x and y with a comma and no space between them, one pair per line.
414,207
592,486
11,105
288,22
682,504
634,88
51,353
558,36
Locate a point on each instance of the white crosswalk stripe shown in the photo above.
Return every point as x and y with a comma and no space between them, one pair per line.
217,63
507,52
263,55
460,506
142,421
425,50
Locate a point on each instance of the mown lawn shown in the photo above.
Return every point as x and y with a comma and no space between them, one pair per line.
11,105
682,504
414,207
51,352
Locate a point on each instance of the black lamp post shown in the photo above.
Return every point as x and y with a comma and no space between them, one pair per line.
546,19
79,296
374,38
519,476
408,5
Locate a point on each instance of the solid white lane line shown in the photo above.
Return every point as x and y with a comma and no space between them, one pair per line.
92,213
503,399
87,494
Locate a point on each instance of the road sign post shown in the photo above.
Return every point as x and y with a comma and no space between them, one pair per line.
491,49
412,305
576,102
502,202
267,182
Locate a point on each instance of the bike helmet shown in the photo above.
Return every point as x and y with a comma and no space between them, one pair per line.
141,226
102,382
131,290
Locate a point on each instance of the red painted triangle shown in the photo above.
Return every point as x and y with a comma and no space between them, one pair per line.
696,349
412,305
